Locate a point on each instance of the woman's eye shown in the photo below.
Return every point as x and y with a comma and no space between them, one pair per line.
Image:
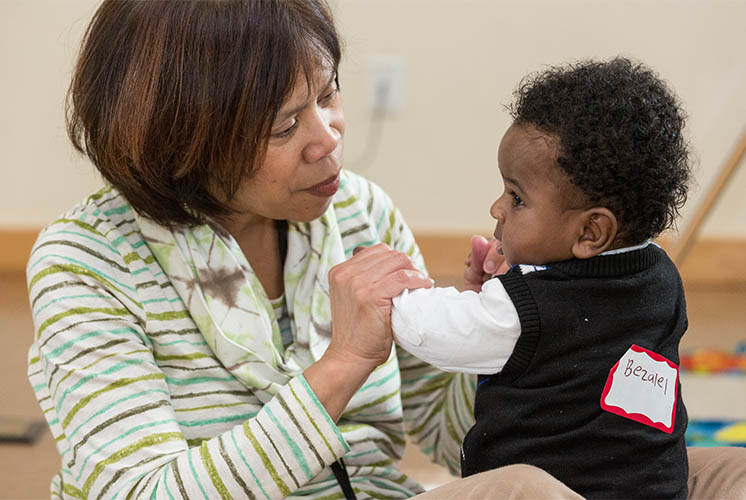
288,131
517,201
329,95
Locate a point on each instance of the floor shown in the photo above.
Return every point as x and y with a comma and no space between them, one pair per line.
717,319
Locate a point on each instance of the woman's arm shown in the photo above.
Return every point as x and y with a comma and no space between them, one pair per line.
361,290
94,366
437,406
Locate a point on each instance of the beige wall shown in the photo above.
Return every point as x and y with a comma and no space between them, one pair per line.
462,60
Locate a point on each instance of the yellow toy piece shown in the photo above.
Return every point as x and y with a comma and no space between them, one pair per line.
735,433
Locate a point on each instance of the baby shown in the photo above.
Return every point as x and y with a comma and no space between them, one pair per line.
576,346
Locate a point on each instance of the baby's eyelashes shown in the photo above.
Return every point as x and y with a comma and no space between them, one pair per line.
517,201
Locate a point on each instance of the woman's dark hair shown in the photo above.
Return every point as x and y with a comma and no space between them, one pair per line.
173,100
620,134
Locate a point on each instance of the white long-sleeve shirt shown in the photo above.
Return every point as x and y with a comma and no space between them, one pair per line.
456,331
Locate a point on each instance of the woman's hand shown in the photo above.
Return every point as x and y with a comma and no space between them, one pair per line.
361,290
483,262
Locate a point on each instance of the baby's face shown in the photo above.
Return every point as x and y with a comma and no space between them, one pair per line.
536,220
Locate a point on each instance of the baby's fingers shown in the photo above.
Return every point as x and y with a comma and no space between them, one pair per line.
494,261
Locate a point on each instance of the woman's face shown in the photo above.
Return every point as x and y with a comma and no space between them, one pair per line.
300,171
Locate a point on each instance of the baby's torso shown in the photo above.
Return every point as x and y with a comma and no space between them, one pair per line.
544,408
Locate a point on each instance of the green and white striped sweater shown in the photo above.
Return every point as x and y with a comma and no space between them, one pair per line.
139,405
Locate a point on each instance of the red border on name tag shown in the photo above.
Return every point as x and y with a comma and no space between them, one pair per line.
639,417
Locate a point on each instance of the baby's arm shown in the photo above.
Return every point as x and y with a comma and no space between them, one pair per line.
457,331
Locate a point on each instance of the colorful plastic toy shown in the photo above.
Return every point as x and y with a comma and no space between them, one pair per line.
707,361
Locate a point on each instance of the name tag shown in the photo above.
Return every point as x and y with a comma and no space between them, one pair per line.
642,386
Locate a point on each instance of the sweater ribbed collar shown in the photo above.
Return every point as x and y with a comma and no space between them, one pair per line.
615,264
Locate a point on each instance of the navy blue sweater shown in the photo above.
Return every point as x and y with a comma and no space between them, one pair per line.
578,318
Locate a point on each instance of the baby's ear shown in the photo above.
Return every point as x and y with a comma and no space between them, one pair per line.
599,229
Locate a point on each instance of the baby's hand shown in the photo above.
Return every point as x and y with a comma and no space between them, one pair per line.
482,263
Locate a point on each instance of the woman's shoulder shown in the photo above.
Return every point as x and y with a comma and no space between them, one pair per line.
92,246
95,231
361,196
361,207
355,184
103,215
366,215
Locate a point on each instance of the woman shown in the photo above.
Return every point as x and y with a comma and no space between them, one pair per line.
203,328
184,339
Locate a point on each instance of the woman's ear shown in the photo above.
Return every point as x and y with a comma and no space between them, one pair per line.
599,230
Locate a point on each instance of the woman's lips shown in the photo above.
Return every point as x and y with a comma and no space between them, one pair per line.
327,188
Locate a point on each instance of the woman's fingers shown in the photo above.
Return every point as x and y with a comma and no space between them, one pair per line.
361,289
394,283
367,258
371,264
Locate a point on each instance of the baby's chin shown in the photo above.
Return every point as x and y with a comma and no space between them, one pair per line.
500,251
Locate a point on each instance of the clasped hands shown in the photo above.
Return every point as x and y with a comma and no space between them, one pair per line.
362,287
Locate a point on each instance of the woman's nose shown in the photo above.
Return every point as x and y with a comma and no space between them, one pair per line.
326,134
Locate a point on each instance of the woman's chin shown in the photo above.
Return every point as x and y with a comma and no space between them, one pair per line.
312,212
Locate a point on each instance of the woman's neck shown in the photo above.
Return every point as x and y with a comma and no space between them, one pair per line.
247,227
257,238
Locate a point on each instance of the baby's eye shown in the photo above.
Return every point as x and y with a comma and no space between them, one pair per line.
517,201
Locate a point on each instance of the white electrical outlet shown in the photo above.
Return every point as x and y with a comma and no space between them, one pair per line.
386,84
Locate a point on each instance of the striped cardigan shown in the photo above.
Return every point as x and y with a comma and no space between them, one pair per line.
139,405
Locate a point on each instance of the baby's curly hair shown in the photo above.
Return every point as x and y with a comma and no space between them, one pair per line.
620,138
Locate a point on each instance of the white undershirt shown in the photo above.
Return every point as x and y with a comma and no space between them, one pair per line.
462,331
